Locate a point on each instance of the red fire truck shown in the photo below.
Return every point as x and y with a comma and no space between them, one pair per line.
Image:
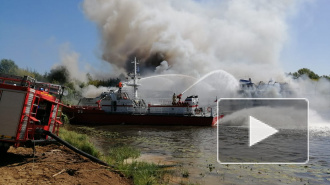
27,106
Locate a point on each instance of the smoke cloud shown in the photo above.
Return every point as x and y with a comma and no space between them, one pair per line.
70,60
242,38
317,93
194,37
91,91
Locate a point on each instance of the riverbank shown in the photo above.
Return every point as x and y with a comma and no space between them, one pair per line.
123,157
144,169
54,164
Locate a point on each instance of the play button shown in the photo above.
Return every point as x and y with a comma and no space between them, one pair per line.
259,131
262,131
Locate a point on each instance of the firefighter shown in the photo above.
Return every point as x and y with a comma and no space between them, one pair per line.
120,85
174,99
179,97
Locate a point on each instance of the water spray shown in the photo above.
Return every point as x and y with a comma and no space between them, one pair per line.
207,75
166,75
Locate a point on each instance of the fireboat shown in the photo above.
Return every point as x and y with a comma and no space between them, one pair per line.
115,107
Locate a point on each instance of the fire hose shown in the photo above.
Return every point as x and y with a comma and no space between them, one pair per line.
92,158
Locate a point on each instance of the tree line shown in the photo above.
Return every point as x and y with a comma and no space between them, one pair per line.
307,72
58,75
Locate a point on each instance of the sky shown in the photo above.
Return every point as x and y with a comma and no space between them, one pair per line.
33,34
309,40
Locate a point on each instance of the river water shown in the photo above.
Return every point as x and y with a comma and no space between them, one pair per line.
195,150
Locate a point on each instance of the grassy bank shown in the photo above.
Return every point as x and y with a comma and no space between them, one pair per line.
80,141
140,172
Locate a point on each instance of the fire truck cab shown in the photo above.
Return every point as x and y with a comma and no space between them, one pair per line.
26,106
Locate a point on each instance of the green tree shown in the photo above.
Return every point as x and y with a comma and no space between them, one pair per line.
306,71
8,66
59,75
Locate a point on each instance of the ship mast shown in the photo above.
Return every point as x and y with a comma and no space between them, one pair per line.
134,77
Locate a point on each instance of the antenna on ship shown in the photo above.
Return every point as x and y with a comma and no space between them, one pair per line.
134,77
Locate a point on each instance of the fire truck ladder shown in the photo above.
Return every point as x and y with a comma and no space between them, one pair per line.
33,118
26,115
58,118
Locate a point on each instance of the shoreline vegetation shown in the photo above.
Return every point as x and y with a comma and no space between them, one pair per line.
141,173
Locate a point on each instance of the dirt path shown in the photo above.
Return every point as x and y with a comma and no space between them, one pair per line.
53,164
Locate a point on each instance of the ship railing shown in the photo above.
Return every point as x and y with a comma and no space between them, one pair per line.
159,101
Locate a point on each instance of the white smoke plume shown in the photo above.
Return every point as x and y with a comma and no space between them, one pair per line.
70,59
194,37
92,92
162,67
318,95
